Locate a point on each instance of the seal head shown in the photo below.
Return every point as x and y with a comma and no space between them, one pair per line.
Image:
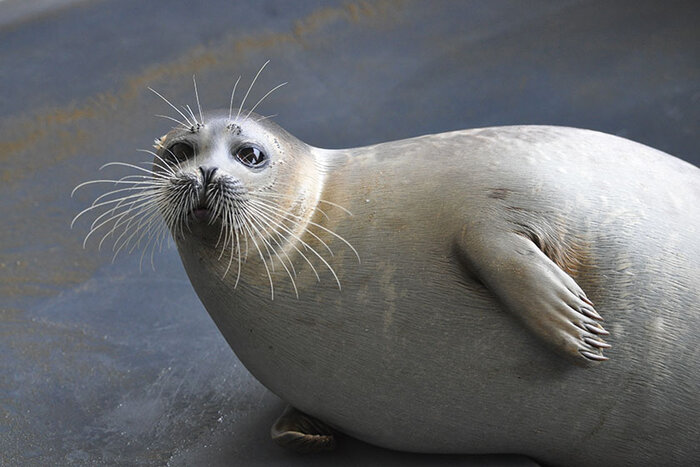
236,186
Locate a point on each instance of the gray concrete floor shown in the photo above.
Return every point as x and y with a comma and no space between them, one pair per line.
102,363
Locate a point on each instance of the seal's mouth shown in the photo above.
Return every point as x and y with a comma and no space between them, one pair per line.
201,214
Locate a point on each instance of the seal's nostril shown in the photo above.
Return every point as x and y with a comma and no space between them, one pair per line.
207,174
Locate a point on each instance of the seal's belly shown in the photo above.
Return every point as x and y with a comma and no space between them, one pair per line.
413,343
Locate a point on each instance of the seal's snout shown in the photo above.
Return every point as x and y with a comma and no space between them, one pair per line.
207,179
202,212
207,175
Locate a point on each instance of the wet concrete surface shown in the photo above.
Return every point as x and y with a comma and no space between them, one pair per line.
111,363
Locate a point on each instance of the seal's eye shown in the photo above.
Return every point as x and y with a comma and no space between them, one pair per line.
180,152
251,156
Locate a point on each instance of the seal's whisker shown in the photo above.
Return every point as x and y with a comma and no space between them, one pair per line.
152,237
249,88
230,107
276,209
233,218
216,204
171,105
301,253
125,218
339,237
262,257
162,163
171,118
228,227
272,224
128,239
120,190
152,242
266,244
116,217
145,215
189,109
112,231
96,205
106,203
158,165
281,195
151,230
265,117
153,174
255,217
172,169
285,197
262,99
126,205
196,95
148,229
177,219
140,190
274,250
116,182
312,250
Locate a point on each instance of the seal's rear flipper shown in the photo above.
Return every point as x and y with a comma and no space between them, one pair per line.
532,286
302,433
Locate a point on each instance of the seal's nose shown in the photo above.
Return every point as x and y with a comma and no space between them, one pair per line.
207,175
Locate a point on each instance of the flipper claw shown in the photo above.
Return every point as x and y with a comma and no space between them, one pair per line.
593,356
596,343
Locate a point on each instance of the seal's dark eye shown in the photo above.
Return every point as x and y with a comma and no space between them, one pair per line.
251,156
180,152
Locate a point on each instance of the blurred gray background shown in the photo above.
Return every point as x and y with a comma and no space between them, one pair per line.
102,363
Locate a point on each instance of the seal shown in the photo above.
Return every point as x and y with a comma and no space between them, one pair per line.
436,294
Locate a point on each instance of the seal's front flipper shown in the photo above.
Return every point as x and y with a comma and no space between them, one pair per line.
302,433
532,286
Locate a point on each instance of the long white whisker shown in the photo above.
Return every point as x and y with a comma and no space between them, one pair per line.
114,192
274,250
116,182
105,203
196,94
171,118
233,218
139,226
120,218
281,195
255,217
319,226
249,88
263,98
169,169
187,107
230,107
172,167
262,257
134,166
171,105
263,218
275,209
310,248
279,225
274,196
141,211
265,117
